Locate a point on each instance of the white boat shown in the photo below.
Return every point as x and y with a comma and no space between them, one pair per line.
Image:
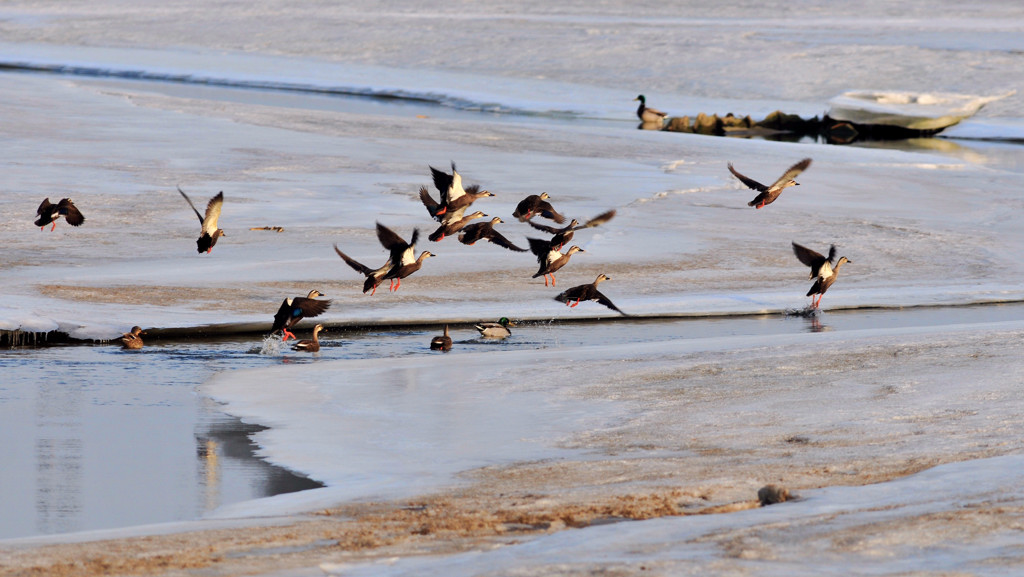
927,112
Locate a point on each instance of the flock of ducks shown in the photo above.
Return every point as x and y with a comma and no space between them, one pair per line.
823,273
449,211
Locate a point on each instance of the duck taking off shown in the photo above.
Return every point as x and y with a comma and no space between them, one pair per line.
132,340
498,330
588,292
550,260
441,343
485,231
310,345
454,224
821,270
646,114
373,276
564,235
210,233
295,309
403,255
537,204
49,213
768,194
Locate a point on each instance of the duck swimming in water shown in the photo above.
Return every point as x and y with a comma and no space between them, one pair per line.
821,270
295,309
646,114
310,345
132,340
49,213
550,260
537,204
768,194
587,292
441,343
498,330
209,232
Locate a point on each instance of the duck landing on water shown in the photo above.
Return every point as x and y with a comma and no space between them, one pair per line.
294,309
821,270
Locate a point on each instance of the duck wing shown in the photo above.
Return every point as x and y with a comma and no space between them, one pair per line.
599,297
70,212
597,220
750,182
356,265
790,174
212,213
428,201
500,240
545,209
298,308
390,240
545,228
541,248
813,259
189,201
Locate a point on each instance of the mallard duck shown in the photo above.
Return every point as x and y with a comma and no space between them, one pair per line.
821,269
132,340
453,225
485,231
498,330
295,309
49,213
768,194
210,233
550,260
403,255
587,292
373,276
646,114
565,234
537,204
441,343
310,345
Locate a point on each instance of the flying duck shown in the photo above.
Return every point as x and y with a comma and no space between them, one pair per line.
550,260
646,114
498,330
373,277
448,204
537,204
587,292
310,345
132,340
210,233
565,234
441,343
485,231
49,213
403,255
821,269
454,224
768,194
295,309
